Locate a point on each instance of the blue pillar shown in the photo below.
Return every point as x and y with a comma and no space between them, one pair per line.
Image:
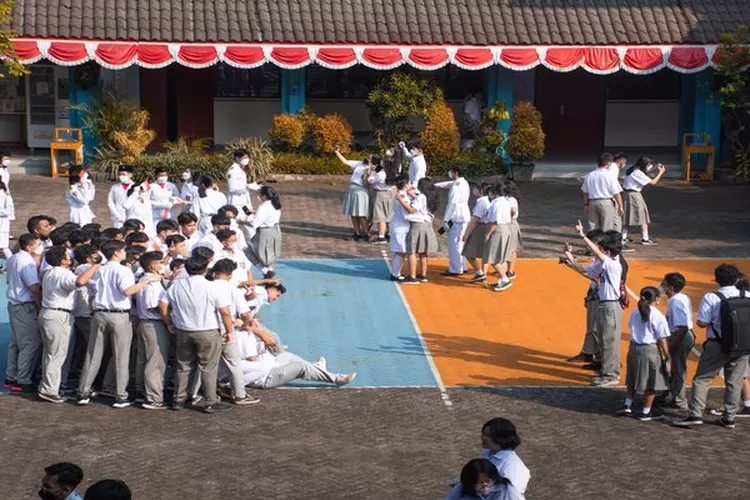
498,87
700,108
292,90
82,96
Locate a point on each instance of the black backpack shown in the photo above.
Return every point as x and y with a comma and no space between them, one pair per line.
735,324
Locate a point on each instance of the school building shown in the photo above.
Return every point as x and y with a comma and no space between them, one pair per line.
605,73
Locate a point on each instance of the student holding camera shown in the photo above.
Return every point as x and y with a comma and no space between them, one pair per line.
636,209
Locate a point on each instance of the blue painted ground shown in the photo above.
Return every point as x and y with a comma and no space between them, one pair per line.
345,310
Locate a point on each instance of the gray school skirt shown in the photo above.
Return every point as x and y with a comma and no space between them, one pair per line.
421,239
500,245
644,369
265,247
381,204
517,236
356,201
474,246
636,210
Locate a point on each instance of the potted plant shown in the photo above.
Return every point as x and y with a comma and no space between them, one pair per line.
525,141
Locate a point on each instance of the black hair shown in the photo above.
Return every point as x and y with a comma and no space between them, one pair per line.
278,286
59,236
195,175
3,187
134,224
204,184
176,263
66,474
167,225
494,190
159,170
742,283
109,248
125,168
196,265
33,223
239,153
224,234
229,208
55,255
73,177
612,242
512,189
641,164
268,193
133,253
111,233
605,159
83,252
675,281
149,258
595,235
503,433
648,296
72,226
471,472
224,266
175,239
427,188
220,220
456,169
186,218
400,182
26,239
203,252
134,238
79,237
620,156
416,145
727,274
92,226
108,489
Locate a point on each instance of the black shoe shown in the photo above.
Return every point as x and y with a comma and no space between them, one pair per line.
421,278
625,411
52,398
688,422
511,276
121,403
410,281
727,424
654,414
744,412
594,366
581,358
269,275
177,406
479,278
29,388
379,241
220,406
448,273
398,278
83,400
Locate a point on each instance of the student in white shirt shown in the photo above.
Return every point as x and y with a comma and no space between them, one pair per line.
79,196
512,193
713,359
421,242
189,188
238,223
118,195
636,209
56,319
138,206
599,189
177,248
24,297
86,256
229,250
4,172
189,228
192,309
648,355
7,214
356,199
682,338
417,163
264,247
41,226
499,442
164,229
218,223
499,239
475,231
237,186
381,201
457,215
400,226
481,480
115,285
207,204
164,196
607,272
618,163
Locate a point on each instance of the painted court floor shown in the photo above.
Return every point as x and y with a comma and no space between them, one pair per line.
447,331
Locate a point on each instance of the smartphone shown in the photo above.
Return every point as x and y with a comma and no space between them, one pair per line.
247,211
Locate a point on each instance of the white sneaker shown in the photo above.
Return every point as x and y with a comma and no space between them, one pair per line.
321,363
344,379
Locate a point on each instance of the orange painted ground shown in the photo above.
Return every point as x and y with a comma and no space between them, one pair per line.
524,335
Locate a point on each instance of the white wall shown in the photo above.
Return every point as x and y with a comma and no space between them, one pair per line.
642,124
235,118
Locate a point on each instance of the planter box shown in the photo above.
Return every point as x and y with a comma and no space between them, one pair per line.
522,173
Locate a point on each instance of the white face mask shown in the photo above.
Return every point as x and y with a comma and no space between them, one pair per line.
245,162
6,162
125,179
39,250
162,179
186,176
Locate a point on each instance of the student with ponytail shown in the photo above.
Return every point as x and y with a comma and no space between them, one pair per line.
636,209
648,355
207,203
265,236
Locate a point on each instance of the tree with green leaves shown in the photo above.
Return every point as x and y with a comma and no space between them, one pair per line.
10,60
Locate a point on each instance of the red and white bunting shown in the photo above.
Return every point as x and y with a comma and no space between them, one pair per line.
594,59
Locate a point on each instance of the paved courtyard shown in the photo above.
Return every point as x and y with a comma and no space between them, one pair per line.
392,435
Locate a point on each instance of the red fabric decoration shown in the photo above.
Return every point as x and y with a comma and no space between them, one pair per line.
244,56
69,52
197,55
688,57
519,58
603,60
290,56
382,57
26,50
154,55
428,58
474,58
639,59
336,57
564,58
116,54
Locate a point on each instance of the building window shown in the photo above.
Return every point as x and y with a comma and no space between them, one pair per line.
259,83
457,83
662,85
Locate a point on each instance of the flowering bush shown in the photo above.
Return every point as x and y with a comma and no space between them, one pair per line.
332,131
526,137
440,136
287,131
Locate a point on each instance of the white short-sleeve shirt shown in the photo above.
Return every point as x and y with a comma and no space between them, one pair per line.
82,296
58,289
608,275
500,211
709,310
600,184
110,282
636,181
147,301
22,273
511,467
679,312
481,209
358,172
195,302
648,332
261,299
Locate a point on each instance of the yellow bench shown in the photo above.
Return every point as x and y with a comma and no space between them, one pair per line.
700,144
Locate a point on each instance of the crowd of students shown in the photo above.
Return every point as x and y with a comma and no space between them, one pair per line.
158,305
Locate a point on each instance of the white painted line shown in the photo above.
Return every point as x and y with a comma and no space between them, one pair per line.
435,373
354,387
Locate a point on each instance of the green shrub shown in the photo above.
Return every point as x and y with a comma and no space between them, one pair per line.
440,136
287,131
526,136
308,164
478,165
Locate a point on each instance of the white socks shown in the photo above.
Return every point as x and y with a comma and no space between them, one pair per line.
397,262
747,403
644,235
628,402
624,235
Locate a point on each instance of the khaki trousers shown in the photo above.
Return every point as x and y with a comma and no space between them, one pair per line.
56,328
201,349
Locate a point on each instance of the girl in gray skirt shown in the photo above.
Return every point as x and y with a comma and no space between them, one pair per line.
356,198
476,230
648,355
381,201
265,241
421,240
499,238
636,210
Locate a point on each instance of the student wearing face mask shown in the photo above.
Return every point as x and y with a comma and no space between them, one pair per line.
237,186
480,480
4,172
56,320
417,163
7,214
265,240
356,198
164,196
229,250
457,215
237,223
60,482
118,195
189,188
79,196
207,204
138,206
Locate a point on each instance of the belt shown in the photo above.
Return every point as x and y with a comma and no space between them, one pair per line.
69,311
606,301
121,311
599,199
23,303
631,191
